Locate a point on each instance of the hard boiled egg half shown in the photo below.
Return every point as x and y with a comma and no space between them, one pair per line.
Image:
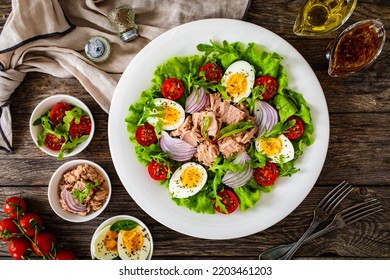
134,244
170,112
187,180
238,80
276,148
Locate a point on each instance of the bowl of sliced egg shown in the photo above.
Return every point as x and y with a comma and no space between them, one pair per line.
122,237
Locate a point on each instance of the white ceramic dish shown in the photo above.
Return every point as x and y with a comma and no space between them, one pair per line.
114,219
48,103
53,192
272,207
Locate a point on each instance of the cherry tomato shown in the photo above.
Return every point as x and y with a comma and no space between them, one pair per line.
145,135
296,130
8,229
266,176
18,247
212,72
80,129
65,254
45,241
271,86
31,223
229,200
57,113
172,88
158,171
53,142
14,207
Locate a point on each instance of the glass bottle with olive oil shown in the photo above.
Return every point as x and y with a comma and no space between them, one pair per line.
321,16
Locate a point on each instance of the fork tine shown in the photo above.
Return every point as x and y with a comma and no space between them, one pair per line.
368,208
342,190
334,190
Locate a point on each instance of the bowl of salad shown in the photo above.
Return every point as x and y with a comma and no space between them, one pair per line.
199,148
62,126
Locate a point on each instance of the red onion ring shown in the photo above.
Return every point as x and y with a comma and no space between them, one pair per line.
177,148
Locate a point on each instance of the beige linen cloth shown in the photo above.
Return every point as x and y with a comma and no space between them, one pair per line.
49,36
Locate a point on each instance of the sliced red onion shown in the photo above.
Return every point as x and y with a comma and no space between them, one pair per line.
266,116
196,100
177,148
71,202
239,178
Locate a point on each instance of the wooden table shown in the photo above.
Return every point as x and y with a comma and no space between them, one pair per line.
359,108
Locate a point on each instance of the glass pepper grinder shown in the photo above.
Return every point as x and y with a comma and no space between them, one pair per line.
123,19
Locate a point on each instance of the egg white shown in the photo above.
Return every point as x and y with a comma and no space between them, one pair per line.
244,69
173,105
176,186
99,249
286,151
141,254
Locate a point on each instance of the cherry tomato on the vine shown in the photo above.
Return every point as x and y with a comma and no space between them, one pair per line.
212,72
296,130
31,223
57,113
229,200
45,241
14,206
145,135
8,229
266,176
271,86
65,254
18,247
172,88
158,171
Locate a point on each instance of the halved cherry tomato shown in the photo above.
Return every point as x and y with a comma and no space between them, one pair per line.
145,135
53,142
8,229
296,130
266,176
45,241
14,207
65,254
31,223
57,113
81,128
271,86
158,171
229,200
18,247
212,72
172,88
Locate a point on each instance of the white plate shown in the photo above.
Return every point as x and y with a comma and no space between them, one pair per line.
154,199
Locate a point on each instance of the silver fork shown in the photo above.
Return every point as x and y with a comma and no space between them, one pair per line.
322,211
341,219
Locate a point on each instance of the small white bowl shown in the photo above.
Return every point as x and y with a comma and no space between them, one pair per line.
54,196
44,106
112,220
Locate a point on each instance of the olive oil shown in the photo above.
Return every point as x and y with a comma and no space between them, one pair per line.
321,16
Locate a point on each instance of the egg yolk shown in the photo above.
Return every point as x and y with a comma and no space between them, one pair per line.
271,146
236,85
133,240
191,177
171,115
110,240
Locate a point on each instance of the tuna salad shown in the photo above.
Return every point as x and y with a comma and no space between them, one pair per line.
82,190
219,127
